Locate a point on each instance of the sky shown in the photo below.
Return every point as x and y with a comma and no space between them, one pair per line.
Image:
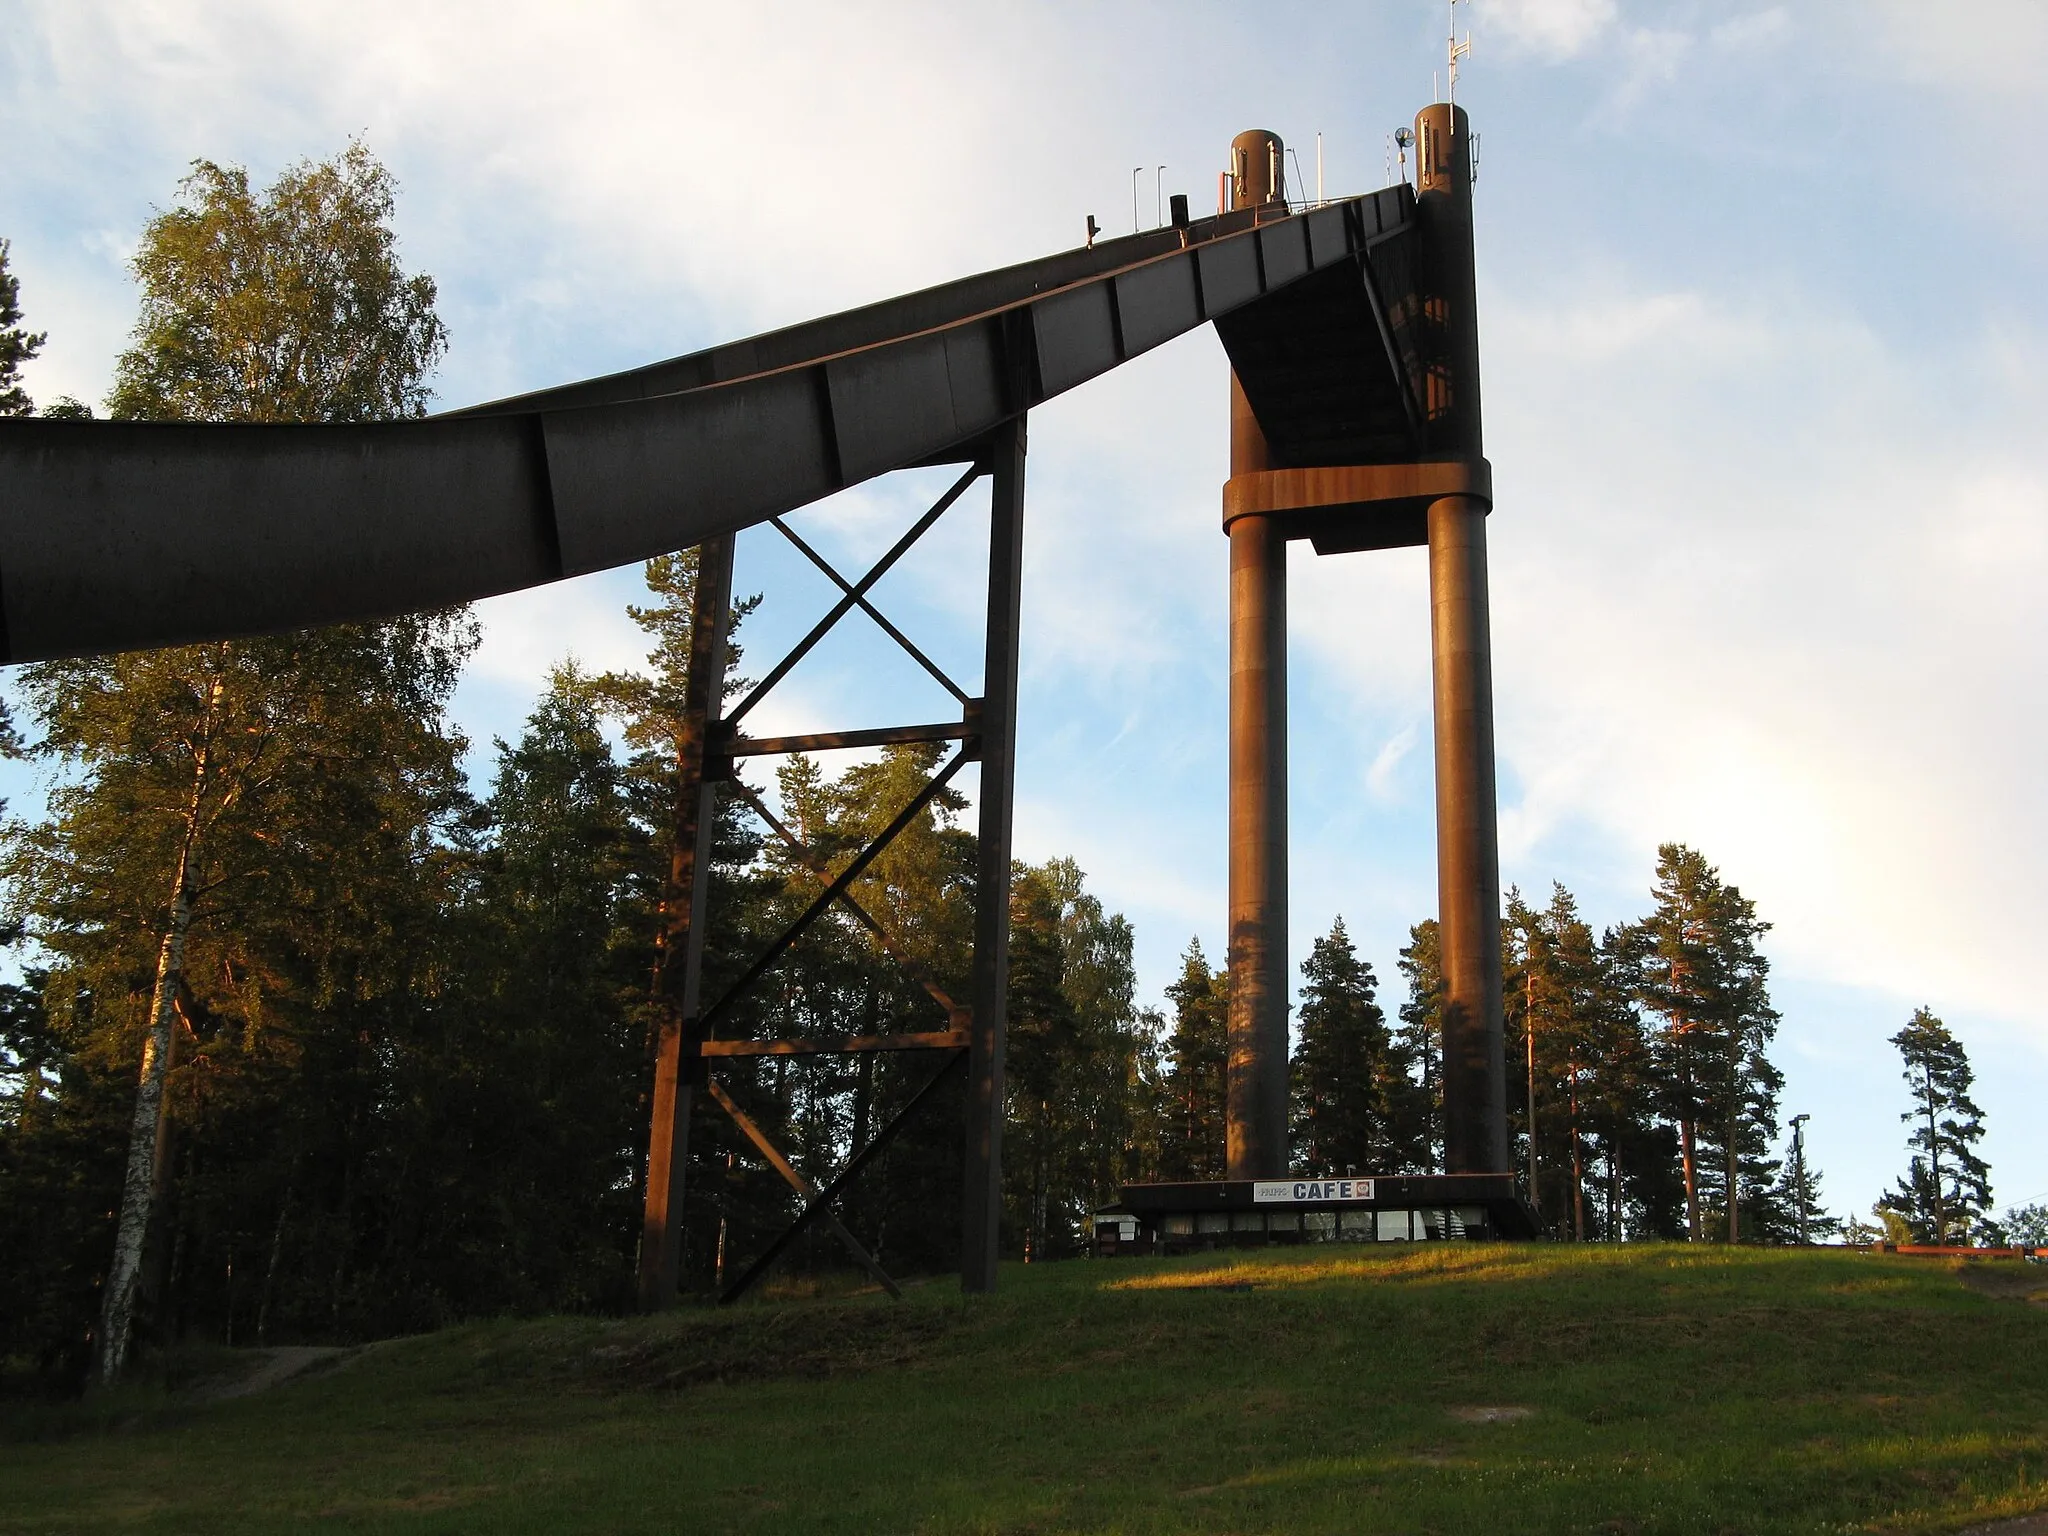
1762,322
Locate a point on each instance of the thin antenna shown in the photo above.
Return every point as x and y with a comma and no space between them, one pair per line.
1297,166
1455,51
1319,170
1136,172
1158,178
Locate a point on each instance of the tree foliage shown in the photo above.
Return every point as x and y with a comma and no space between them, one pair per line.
290,305
1695,965
17,344
1193,1143
1358,1101
222,790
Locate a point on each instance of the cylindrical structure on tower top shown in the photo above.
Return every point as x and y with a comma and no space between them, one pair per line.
1461,647
1257,1072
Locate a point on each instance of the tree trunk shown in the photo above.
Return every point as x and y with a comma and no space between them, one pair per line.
146,1131
1692,1190
1578,1163
1529,1043
1934,1155
284,1207
1734,1148
1613,1191
161,1249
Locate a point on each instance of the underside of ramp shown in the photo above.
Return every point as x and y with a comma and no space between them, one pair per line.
121,535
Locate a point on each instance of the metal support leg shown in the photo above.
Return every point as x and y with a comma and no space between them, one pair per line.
680,958
1257,1146
982,1197
1468,849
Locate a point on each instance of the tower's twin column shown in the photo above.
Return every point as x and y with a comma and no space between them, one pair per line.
1468,861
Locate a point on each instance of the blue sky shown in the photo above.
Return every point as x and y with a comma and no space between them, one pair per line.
1762,319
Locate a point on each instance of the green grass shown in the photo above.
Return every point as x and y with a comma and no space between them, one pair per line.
1293,1391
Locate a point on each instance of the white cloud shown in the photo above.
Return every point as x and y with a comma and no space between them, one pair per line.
1379,777
1553,29
1755,29
1740,604
1653,56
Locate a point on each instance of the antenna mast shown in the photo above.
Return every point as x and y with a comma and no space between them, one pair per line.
1455,51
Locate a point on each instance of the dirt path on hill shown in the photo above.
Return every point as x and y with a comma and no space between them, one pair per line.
274,1369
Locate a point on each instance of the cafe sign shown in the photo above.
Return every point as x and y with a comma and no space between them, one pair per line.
1309,1191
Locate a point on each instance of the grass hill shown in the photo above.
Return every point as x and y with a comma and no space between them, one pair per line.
1448,1388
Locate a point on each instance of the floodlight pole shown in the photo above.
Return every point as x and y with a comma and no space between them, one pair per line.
1799,1169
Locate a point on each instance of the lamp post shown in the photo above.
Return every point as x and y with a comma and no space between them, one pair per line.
1799,1169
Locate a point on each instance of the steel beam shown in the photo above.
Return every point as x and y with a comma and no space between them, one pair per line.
834,891
679,961
832,741
982,1194
896,951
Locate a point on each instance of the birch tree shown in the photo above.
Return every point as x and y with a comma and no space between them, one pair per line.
289,305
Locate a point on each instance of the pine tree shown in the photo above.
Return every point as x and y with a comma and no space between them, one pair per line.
1695,964
1576,1041
1422,1040
1197,1074
1076,1048
1945,1193
17,345
549,975
1352,1086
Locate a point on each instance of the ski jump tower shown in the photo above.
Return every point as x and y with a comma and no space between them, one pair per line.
1355,424
1353,345
1307,466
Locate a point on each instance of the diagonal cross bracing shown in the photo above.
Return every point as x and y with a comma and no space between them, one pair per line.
890,944
836,889
803,1187
854,594
871,611
821,1203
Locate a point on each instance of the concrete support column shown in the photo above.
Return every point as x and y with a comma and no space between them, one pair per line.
1467,840
1258,850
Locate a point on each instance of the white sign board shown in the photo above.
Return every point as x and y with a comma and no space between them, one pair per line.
1309,1191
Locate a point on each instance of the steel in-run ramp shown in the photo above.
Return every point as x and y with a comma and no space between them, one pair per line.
120,535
